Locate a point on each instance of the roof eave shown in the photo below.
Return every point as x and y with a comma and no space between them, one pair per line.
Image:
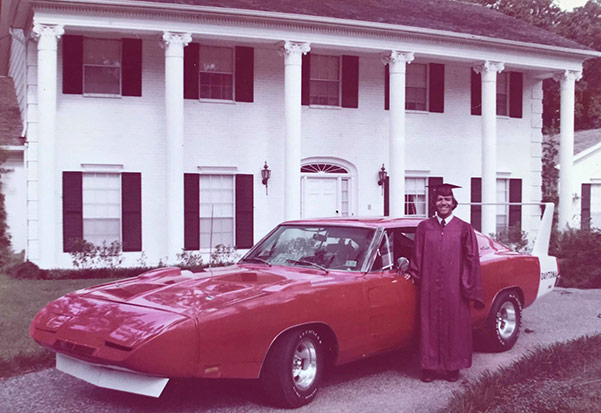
580,53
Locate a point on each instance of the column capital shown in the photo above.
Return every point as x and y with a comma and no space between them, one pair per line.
395,56
568,75
176,39
489,67
47,31
288,48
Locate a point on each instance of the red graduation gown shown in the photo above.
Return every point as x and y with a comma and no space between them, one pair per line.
446,267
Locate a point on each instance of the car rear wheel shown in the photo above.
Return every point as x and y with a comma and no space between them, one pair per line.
502,328
293,368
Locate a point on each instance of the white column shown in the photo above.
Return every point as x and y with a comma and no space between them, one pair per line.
397,62
567,81
292,52
488,71
174,110
48,231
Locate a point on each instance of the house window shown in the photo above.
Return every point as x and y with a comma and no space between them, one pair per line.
595,206
325,80
216,210
101,196
416,89
502,210
503,94
216,73
416,199
102,67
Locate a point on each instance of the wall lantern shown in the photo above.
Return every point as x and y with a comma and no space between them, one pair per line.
265,175
382,175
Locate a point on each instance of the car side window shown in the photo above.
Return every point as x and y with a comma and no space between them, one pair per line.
385,254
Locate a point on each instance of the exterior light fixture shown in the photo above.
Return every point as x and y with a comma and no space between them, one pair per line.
382,175
265,175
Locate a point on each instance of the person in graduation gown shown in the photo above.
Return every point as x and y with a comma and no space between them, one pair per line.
445,266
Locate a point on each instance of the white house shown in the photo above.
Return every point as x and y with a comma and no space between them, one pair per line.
587,176
149,122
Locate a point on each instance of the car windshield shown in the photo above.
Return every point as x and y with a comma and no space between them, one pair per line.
324,247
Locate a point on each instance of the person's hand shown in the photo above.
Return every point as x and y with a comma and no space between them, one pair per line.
408,277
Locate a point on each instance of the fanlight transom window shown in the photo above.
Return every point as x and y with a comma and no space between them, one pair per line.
323,167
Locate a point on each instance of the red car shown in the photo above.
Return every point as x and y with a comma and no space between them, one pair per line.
311,294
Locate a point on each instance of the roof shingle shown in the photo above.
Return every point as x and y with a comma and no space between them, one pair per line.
454,16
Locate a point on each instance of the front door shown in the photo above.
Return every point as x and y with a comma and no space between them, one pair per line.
320,197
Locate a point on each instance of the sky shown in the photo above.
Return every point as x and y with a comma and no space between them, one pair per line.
570,4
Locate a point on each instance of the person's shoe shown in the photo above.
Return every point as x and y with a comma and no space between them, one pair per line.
427,376
452,376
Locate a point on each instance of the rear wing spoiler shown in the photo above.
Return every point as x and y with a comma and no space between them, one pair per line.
541,244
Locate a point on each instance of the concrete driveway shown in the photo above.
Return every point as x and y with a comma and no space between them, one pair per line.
387,383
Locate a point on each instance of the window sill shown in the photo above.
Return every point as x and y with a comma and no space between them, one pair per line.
220,101
417,112
102,95
325,107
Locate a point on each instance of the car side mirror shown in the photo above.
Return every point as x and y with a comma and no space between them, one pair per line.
402,264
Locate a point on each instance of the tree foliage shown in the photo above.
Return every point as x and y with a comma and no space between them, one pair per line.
582,25
5,247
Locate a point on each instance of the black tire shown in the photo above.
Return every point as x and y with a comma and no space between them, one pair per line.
293,368
502,328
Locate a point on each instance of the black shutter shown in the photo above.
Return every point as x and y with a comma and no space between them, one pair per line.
476,93
191,61
386,87
585,207
306,80
131,67
386,196
350,82
245,74
432,182
476,210
72,65
191,211
244,211
72,209
516,86
515,211
436,88
131,211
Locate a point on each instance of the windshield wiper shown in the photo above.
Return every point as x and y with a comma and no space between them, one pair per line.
256,259
305,262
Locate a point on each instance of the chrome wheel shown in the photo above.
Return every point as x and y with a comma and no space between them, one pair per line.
304,364
506,320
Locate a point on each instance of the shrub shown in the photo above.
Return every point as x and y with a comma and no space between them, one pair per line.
579,255
224,255
514,238
189,259
86,255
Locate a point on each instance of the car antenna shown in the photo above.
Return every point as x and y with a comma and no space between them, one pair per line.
211,236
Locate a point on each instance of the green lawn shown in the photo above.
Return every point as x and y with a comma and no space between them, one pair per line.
20,300
562,377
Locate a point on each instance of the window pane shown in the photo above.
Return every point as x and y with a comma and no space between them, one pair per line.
216,73
102,52
216,200
502,210
216,59
416,90
101,198
325,84
415,196
502,94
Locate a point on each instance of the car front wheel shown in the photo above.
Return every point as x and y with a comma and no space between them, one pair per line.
293,368
502,327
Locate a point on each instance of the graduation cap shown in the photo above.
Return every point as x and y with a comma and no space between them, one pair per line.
444,189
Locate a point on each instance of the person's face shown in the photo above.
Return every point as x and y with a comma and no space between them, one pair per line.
444,205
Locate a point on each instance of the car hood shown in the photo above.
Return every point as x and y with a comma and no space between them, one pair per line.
187,293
